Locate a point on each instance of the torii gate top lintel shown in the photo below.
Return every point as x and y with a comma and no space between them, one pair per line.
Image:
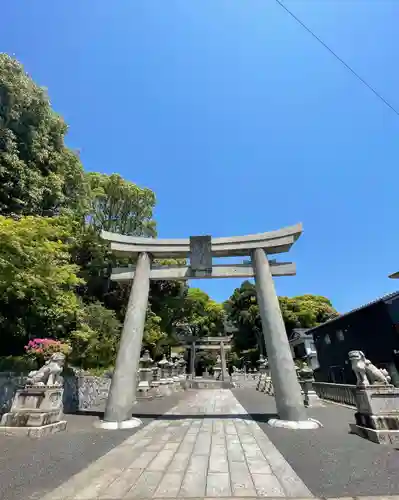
272,242
201,250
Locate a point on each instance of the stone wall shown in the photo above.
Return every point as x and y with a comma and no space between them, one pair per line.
9,383
81,393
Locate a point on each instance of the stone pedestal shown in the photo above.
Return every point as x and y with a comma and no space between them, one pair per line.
217,370
268,387
306,379
262,362
377,416
260,381
35,412
164,383
155,386
145,377
310,397
181,371
223,365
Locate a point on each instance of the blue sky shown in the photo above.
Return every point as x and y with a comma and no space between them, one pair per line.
237,119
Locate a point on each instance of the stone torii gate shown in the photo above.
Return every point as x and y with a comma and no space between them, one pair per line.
200,250
221,344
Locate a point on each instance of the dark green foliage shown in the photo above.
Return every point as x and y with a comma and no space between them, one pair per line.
303,311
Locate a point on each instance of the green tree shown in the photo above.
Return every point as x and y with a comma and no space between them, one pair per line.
39,175
204,314
168,298
154,338
303,311
243,312
116,205
95,339
120,206
306,311
37,280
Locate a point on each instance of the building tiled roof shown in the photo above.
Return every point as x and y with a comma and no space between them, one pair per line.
384,298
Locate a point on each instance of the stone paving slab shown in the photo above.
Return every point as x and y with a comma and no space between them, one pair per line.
205,447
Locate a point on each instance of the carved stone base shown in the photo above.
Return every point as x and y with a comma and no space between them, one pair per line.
155,389
388,422
143,391
312,400
30,418
377,399
114,426
309,424
35,408
377,418
376,436
34,432
164,388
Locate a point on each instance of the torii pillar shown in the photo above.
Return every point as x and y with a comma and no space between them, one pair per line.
287,390
122,392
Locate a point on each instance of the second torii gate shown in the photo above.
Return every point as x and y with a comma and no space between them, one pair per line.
222,344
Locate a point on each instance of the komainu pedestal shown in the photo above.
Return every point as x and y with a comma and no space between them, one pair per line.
37,409
377,402
377,416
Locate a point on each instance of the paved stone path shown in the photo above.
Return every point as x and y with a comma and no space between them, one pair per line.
207,446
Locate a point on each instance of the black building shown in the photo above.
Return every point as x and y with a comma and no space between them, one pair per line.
372,328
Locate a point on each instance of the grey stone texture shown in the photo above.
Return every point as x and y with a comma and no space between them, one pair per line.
274,242
285,382
81,393
122,393
377,416
33,432
218,271
207,446
34,407
9,383
201,254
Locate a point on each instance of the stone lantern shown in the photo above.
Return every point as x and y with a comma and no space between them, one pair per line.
262,363
145,375
217,370
165,387
306,379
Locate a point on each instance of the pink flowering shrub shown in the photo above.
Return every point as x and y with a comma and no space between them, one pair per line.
43,349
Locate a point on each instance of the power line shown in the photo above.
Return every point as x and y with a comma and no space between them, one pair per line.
362,80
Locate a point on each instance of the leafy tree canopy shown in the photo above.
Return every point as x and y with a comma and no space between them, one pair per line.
204,314
303,311
39,175
120,206
37,278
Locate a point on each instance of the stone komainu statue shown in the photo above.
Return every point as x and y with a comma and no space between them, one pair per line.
50,373
366,372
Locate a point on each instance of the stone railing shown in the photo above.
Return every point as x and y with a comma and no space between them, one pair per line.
339,393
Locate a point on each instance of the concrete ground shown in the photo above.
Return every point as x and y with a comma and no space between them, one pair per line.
330,461
211,444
